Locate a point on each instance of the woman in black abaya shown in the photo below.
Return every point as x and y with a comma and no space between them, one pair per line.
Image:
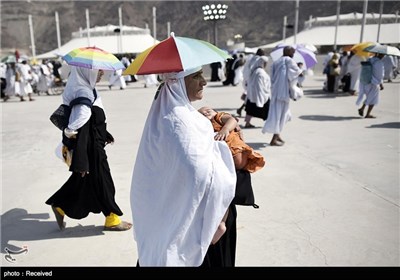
90,188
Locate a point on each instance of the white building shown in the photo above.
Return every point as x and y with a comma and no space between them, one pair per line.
320,31
109,38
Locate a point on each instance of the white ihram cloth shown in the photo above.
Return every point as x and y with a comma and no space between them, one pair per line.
259,83
81,83
26,77
284,73
371,90
354,68
116,79
182,183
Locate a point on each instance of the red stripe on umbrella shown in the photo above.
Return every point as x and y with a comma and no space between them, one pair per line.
155,63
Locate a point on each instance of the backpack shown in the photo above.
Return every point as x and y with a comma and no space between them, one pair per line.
366,72
60,117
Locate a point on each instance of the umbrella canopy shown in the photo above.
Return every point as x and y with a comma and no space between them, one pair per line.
93,58
311,47
388,50
175,54
358,49
302,54
9,59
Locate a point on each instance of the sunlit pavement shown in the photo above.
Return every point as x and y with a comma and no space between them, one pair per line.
328,197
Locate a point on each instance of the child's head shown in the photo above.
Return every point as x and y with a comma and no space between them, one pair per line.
207,112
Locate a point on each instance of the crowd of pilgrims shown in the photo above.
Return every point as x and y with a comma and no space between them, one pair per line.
343,71
21,77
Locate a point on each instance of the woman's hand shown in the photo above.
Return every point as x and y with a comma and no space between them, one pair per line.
83,173
70,133
109,138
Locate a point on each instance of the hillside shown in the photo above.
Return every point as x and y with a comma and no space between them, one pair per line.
259,22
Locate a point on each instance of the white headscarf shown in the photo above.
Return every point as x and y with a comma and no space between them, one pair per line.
182,183
259,83
81,83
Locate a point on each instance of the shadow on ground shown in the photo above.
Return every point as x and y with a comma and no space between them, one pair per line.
386,125
18,225
257,145
320,93
326,118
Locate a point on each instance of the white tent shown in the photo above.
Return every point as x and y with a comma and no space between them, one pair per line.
346,35
348,17
134,40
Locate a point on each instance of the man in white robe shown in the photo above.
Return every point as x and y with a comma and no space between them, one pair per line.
26,77
371,90
354,69
116,79
389,66
284,74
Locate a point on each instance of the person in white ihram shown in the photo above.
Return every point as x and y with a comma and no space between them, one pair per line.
284,74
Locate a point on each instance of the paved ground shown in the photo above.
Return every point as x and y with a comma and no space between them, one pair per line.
329,197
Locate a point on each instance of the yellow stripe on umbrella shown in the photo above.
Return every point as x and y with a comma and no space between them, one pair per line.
358,49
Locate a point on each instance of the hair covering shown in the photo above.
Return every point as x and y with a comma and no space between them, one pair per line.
259,83
81,83
182,183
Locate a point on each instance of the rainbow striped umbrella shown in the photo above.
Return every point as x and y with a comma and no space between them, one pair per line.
93,58
175,54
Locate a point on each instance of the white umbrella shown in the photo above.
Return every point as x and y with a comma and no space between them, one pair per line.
383,49
311,47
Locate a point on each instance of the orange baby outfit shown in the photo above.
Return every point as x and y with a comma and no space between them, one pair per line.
237,145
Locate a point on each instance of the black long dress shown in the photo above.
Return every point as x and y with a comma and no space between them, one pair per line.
223,253
95,192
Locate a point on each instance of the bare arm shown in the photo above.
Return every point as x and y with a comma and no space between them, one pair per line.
230,123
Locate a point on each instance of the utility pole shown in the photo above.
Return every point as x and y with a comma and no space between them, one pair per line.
296,21
88,27
364,20
380,20
120,49
284,29
58,32
32,36
337,24
154,25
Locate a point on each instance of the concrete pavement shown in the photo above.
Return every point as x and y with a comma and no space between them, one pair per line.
328,197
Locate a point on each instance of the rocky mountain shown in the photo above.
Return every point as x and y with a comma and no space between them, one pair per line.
258,22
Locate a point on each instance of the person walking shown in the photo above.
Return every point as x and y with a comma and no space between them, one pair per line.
25,72
246,75
90,188
284,74
13,78
354,70
371,88
258,91
333,74
183,181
